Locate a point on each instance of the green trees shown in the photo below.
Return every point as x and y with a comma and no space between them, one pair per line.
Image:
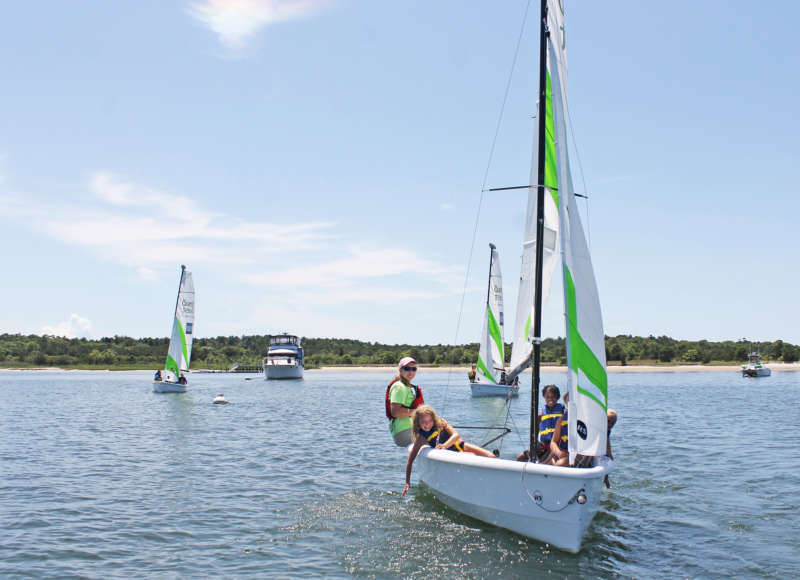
223,351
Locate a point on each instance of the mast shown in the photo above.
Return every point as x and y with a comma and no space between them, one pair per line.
492,248
180,283
537,297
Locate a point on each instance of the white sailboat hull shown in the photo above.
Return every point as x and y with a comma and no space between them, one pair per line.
167,387
537,501
272,372
491,390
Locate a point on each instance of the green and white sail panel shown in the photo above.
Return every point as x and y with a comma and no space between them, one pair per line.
587,378
523,323
490,353
180,343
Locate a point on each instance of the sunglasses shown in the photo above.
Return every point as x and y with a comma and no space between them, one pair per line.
414,369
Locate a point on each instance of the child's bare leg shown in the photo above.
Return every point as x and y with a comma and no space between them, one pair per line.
469,448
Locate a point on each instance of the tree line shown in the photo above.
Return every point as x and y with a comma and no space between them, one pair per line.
221,352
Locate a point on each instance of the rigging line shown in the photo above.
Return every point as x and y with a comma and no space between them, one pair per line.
505,423
583,180
483,186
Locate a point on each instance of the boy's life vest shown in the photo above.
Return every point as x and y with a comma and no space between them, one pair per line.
416,403
548,422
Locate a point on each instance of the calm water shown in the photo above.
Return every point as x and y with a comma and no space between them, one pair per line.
101,478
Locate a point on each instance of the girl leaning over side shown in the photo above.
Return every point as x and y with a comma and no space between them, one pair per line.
435,431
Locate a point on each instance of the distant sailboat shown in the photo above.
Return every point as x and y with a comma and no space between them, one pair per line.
545,502
490,372
180,342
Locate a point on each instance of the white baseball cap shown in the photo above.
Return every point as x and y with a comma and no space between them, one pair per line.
404,361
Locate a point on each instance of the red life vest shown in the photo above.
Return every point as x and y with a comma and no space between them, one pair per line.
418,400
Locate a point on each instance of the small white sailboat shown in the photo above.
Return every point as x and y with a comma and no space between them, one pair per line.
548,503
220,400
180,342
285,358
754,367
490,372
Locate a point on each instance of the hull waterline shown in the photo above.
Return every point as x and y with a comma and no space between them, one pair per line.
489,390
167,387
279,372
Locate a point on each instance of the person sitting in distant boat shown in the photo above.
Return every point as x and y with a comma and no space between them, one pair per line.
472,374
435,431
402,397
157,376
182,379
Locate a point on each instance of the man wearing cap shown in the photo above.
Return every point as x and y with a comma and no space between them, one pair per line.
403,398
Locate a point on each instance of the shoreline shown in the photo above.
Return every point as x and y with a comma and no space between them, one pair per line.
776,367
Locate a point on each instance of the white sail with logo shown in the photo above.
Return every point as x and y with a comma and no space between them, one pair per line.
490,353
180,343
587,378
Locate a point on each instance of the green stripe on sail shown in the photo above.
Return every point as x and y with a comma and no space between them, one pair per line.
581,356
494,332
183,342
172,366
550,169
528,328
484,370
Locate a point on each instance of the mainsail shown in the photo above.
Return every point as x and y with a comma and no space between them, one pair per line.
491,355
523,323
587,378
180,343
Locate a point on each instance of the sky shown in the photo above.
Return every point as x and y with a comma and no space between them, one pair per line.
318,165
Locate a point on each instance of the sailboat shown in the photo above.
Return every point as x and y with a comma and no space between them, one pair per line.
548,503
490,373
180,342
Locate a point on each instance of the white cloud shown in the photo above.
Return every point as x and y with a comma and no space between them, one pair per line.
446,206
150,230
147,229
75,327
236,21
306,272
346,271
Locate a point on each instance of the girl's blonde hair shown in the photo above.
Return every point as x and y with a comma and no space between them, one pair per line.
418,413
